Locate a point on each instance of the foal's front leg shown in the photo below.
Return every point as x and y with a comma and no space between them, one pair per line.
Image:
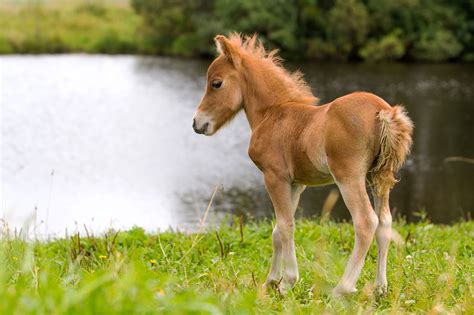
285,198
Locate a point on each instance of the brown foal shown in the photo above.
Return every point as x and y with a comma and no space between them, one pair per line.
352,140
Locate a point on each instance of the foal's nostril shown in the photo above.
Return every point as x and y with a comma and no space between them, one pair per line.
202,129
194,124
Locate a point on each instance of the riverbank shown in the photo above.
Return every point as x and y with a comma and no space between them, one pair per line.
221,271
73,26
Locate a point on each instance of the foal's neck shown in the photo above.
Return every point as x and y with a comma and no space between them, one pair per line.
264,90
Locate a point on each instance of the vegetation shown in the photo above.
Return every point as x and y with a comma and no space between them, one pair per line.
370,30
221,271
68,26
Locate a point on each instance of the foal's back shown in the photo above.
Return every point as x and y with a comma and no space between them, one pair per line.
315,143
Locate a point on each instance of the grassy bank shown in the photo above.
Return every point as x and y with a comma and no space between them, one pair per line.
68,26
221,271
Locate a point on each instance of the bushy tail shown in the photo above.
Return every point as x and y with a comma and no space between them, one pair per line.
396,129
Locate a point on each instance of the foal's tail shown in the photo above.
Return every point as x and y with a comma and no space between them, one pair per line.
396,129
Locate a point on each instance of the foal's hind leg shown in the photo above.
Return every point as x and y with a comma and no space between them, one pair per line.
365,222
383,234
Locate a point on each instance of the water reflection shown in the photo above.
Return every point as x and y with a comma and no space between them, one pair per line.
117,131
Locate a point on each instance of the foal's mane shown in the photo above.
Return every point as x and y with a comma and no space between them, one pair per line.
251,47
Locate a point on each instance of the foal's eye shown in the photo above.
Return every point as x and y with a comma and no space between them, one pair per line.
216,84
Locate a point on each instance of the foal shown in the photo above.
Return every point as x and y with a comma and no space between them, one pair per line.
354,138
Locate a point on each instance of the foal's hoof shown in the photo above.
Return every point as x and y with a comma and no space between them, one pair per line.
380,289
277,285
339,291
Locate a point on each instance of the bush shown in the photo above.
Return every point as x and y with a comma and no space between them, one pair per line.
111,42
389,47
5,46
347,27
437,46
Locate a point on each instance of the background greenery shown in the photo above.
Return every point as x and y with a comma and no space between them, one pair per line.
221,272
89,26
370,30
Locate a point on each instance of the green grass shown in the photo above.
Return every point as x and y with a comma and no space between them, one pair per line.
221,272
68,26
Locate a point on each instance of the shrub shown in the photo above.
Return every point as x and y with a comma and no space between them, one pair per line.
437,45
389,47
347,26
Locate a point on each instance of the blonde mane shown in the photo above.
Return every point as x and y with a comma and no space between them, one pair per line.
251,47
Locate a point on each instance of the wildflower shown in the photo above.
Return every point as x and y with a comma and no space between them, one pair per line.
153,261
159,293
410,302
446,256
15,258
409,257
103,257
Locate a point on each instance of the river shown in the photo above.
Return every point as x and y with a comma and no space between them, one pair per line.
107,142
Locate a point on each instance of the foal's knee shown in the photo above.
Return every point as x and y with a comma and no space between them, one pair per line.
285,230
365,226
276,237
384,229
385,219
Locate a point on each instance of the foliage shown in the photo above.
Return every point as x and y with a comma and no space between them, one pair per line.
221,271
73,26
438,45
389,47
368,30
432,30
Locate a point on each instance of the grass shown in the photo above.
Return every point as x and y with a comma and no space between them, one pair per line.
221,271
68,26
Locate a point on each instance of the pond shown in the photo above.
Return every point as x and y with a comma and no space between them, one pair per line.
106,141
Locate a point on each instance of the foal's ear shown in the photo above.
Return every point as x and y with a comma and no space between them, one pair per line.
226,48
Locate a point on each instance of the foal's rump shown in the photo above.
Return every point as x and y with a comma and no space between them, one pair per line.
367,136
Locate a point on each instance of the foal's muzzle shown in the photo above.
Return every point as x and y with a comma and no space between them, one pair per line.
201,130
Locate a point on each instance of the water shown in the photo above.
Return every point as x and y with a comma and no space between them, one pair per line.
107,142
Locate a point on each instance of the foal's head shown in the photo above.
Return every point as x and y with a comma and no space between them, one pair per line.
242,70
223,98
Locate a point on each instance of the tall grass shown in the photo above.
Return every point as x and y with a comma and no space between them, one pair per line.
68,26
222,270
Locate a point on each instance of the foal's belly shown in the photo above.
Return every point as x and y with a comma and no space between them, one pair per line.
314,179
307,173
309,166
